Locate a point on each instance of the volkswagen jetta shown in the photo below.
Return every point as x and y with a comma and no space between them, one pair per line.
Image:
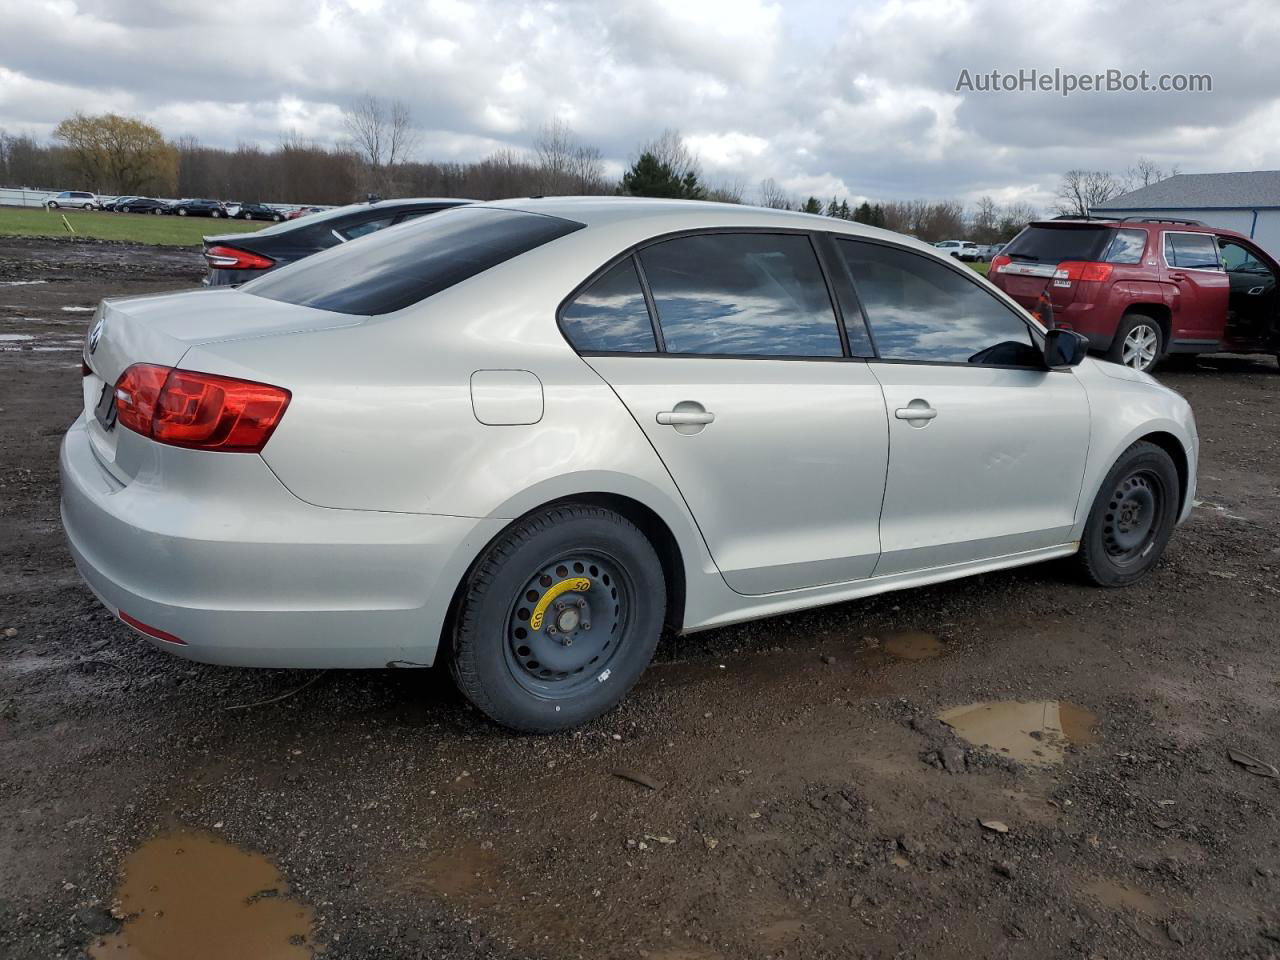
523,436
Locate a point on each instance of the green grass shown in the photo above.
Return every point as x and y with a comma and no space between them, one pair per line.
132,227
981,268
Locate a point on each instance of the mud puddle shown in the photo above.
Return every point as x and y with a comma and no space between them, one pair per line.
912,645
1035,733
195,896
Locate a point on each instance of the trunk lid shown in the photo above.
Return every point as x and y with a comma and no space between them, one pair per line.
161,329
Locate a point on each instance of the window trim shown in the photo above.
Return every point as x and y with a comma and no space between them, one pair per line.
1164,250
634,252
955,266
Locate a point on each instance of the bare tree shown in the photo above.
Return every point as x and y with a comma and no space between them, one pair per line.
729,191
383,134
669,148
565,165
773,196
986,213
1146,172
1082,190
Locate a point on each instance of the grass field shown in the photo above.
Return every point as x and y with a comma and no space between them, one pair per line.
981,268
133,227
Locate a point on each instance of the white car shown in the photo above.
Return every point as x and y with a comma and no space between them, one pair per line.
523,436
74,199
960,249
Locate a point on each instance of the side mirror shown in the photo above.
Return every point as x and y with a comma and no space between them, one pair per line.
1064,348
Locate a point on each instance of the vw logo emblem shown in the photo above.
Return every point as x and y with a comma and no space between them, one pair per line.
96,333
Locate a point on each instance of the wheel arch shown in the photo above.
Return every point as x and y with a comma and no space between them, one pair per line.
1177,453
1159,312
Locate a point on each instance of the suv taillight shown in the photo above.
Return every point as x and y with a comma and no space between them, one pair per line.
998,263
229,258
198,410
1080,270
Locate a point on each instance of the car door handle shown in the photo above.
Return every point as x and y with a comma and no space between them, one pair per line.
915,413
684,418
1177,276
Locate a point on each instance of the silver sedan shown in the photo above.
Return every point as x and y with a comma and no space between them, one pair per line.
524,437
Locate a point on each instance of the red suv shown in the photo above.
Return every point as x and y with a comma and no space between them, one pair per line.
1141,289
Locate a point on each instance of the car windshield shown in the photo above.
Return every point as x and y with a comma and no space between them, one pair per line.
392,269
1044,243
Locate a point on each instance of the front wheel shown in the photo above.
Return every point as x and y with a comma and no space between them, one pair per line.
158,212
53,204
1132,518
182,211
558,619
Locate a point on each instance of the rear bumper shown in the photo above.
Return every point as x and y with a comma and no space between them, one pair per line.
245,574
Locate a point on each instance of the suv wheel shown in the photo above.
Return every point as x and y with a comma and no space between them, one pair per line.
53,204
1131,519
558,619
1138,343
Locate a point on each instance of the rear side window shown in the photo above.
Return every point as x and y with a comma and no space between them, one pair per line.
365,226
1126,246
743,294
1045,244
1192,251
610,315
924,311
394,269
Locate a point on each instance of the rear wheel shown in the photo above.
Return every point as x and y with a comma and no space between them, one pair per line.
558,619
182,211
1132,518
158,212
247,216
53,204
277,218
215,214
1139,343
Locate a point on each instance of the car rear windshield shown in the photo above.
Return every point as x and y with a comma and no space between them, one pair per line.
392,269
1054,244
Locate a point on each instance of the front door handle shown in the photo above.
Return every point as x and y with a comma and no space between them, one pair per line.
917,413
685,418
1177,276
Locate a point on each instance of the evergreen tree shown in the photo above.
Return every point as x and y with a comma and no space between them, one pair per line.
651,177
812,205
833,208
863,213
844,213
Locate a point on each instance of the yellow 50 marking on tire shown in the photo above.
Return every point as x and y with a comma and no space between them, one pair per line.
572,585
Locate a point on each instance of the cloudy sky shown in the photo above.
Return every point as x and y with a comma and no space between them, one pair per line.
854,98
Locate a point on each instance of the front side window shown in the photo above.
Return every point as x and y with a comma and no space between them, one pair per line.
610,315
1236,259
1126,246
1191,251
921,310
394,269
743,294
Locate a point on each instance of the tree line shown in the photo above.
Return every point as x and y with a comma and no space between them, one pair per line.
116,155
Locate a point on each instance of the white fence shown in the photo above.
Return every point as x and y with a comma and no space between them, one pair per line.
24,197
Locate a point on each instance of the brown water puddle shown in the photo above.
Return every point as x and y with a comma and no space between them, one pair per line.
1117,896
1035,733
195,896
912,645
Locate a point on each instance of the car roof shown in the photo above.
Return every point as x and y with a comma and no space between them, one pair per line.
644,217
1138,223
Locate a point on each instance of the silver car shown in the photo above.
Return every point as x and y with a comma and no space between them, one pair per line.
526,436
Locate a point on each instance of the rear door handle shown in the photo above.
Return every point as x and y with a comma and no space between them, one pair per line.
1177,276
684,418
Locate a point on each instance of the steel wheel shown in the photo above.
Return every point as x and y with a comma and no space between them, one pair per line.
1140,347
566,625
1135,515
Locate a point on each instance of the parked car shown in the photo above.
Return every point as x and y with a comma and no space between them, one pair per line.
1141,289
254,211
960,249
142,205
302,212
110,206
198,208
238,257
483,432
985,251
74,199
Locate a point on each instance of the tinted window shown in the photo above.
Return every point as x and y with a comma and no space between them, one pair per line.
365,226
1191,250
1237,259
1126,247
395,268
1045,244
925,311
749,294
610,314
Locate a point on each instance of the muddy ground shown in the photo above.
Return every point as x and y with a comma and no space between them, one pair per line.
805,803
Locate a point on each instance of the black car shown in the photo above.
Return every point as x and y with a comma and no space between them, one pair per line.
140,205
256,211
235,258
198,208
113,205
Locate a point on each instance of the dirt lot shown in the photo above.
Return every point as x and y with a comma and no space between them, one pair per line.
805,801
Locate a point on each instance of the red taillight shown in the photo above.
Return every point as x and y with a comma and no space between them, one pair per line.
85,371
199,410
229,258
998,263
149,630
1080,270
